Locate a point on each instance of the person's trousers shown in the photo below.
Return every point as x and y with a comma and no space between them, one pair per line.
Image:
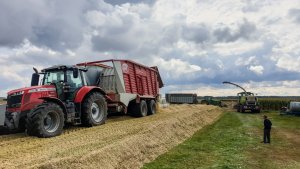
267,138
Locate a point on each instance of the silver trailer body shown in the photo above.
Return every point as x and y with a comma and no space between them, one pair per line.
111,81
2,114
180,98
295,107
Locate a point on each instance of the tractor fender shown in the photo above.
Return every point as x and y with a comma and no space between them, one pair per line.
55,100
84,91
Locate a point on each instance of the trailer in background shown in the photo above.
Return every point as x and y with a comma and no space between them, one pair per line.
181,98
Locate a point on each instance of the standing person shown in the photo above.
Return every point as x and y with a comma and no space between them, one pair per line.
267,130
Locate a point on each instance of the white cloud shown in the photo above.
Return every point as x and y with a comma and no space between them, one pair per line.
257,69
193,42
177,67
242,61
287,62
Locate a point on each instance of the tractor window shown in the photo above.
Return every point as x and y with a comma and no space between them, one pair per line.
74,82
53,77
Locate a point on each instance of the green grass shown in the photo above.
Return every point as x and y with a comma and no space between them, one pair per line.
234,142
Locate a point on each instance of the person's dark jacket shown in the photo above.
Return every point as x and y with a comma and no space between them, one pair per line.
267,124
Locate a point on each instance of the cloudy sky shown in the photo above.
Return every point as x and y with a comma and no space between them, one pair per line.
196,44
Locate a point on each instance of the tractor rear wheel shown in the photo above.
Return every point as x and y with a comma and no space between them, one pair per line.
94,110
140,109
151,107
46,120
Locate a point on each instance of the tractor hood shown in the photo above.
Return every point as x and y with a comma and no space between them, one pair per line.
32,89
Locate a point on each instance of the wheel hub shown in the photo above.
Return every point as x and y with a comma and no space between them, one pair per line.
96,112
51,122
48,120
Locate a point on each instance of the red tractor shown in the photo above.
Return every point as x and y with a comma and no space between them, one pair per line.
81,94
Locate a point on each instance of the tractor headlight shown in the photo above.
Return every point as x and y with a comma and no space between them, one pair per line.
41,90
17,93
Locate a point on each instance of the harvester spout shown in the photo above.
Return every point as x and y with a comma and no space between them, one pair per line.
236,86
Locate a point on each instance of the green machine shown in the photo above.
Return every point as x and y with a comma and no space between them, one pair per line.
209,100
246,100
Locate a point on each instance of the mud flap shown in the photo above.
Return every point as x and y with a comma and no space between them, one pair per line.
2,114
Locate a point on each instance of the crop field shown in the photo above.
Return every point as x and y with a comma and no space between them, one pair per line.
275,103
272,103
234,141
179,136
123,142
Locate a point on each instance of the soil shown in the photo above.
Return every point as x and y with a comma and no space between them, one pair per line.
123,142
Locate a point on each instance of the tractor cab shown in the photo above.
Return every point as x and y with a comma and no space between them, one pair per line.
245,94
66,79
247,97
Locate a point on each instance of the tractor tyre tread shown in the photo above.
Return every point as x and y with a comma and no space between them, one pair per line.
87,119
35,120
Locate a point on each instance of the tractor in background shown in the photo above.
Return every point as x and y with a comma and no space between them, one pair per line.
209,100
246,100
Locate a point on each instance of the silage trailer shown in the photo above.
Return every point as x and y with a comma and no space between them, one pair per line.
81,94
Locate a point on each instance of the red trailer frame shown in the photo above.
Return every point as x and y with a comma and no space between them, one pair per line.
134,81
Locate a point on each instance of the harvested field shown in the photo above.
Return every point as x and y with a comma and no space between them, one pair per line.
123,142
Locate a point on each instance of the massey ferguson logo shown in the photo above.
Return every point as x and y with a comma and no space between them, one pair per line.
125,68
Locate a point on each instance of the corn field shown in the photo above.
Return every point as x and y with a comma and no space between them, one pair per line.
275,103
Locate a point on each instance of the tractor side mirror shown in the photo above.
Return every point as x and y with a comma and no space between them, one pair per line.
35,79
75,73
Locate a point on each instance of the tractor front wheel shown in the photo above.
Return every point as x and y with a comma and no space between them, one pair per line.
46,120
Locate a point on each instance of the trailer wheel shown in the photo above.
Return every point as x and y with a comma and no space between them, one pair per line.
151,107
141,109
94,110
46,120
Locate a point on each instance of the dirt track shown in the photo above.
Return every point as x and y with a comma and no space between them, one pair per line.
123,142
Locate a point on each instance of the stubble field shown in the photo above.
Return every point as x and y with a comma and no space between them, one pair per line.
123,142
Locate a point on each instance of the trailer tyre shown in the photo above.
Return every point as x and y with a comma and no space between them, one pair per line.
151,107
94,110
141,109
46,120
